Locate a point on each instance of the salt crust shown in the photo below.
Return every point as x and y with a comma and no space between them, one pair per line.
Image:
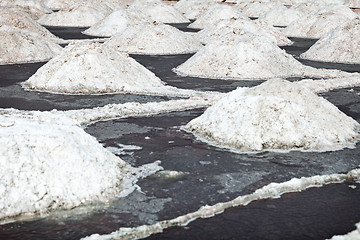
93,68
248,56
350,236
154,39
341,45
33,7
223,27
59,4
315,26
25,47
49,162
276,115
272,190
193,9
216,13
256,9
354,3
77,16
281,16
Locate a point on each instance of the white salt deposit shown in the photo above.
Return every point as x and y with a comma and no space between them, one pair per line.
337,9
273,190
310,7
24,47
193,9
281,16
93,68
325,85
33,7
350,236
256,9
154,39
276,115
354,3
257,27
247,56
315,26
216,13
49,162
59,4
77,16
340,45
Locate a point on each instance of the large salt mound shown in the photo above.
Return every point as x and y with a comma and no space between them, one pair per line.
93,68
33,7
281,16
154,39
193,9
340,45
256,9
49,162
310,7
224,27
315,26
216,13
24,47
247,56
276,115
78,16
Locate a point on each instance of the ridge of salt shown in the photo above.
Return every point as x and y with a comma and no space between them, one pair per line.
281,16
34,8
193,9
256,9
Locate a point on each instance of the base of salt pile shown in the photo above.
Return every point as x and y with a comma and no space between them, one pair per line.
276,115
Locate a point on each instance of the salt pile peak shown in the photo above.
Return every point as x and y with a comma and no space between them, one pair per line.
281,16
154,39
247,56
25,47
193,9
223,27
216,13
34,8
341,45
257,8
49,161
59,4
276,115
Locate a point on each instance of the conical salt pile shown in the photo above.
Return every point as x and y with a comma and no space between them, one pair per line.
34,8
154,39
281,16
59,4
193,9
256,9
224,27
24,47
247,56
354,3
341,45
276,115
216,13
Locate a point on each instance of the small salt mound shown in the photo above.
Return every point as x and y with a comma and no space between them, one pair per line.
77,16
48,162
24,47
315,26
33,7
154,39
59,4
276,115
93,68
216,13
312,7
256,9
281,16
193,9
340,45
337,9
247,56
257,27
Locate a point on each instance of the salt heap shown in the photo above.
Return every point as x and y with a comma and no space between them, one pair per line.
340,45
93,68
59,4
82,15
276,115
256,9
24,47
315,26
257,27
154,39
193,9
310,7
48,162
281,16
33,7
159,11
247,56
216,13
354,3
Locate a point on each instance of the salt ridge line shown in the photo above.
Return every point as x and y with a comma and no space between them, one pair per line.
272,190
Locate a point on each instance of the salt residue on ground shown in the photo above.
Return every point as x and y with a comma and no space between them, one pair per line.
258,8
34,8
216,13
248,56
49,162
272,190
154,39
350,236
281,16
24,47
223,27
193,9
340,45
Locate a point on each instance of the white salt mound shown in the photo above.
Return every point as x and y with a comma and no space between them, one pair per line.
337,9
59,4
247,56
216,13
341,45
33,7
223,27
77,16
276,115
354,3
256,9
310,7
281,16
154,39
193,9
24,47
315,26
50,162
